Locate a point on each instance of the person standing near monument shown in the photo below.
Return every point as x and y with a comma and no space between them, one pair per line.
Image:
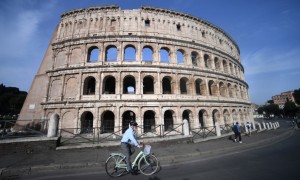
237,132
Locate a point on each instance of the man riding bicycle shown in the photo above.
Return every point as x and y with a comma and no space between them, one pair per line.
126,141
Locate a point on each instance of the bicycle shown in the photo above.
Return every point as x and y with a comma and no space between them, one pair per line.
145,162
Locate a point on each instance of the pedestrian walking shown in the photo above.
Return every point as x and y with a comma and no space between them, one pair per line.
237,132
249,127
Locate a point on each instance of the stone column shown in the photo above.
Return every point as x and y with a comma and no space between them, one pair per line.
53,125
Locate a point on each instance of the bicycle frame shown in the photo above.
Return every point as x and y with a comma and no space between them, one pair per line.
124,166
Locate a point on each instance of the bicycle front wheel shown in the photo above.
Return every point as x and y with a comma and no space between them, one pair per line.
112,166
148,165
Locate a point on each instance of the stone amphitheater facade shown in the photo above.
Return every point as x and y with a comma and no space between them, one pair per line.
105,66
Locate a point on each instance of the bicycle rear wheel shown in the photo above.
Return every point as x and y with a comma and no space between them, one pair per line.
112,166
148,165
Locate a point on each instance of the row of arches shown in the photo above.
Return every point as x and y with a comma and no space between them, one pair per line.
166,55
149,121
200,86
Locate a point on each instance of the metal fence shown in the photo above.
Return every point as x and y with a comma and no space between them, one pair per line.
101,135
23,128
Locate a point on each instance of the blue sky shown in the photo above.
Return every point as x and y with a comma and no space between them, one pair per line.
267,32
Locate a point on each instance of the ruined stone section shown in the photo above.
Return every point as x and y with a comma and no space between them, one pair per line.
105,67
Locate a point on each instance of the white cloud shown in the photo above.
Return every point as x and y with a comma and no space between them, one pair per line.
270,60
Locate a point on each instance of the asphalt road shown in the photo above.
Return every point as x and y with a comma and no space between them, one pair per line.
275,161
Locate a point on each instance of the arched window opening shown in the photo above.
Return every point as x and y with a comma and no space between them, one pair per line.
164,55
198,87
109,85
194,57
202,117
168,121
226,117
231,68
203,34
87,119
111,53
206,60
129,85
129,53
126,118
222,89
183,86
149,121
147,53
213,91
215,116
230,89
166,84
225,66
187,115
89,86
148,85
180,56
93,54
217,64
108,122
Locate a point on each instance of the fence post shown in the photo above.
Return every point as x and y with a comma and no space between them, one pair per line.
186,130
218,129
53,125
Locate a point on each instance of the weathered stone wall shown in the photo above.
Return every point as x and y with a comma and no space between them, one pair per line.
193,71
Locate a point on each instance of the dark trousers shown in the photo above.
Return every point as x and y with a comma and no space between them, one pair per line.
128,151
238,135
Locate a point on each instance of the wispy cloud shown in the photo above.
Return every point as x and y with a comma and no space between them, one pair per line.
271,60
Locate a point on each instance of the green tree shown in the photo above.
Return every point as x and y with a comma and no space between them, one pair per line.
296,95
290,109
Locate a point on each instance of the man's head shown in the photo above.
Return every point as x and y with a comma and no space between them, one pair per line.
133,125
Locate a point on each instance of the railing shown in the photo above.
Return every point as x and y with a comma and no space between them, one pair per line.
23,128
204,132
96,135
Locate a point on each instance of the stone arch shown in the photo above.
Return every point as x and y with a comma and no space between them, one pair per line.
93,54
217,63
61,59
148,85
87,119
129,53
212,87
71,88
226,117
206,61
147,54
195,58
222,89
111,53
67,123
184,86
109,85
215,116
127,116
107,122
89,86
169,116
56,89
167,85
76,56
234,116
129,85
180,56
164,55
202,116
149,121
188,115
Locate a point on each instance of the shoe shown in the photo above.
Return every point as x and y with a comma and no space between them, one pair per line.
234,140
240,142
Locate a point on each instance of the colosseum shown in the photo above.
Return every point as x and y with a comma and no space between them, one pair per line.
105,66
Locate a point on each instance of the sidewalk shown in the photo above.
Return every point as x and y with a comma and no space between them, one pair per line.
168,152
